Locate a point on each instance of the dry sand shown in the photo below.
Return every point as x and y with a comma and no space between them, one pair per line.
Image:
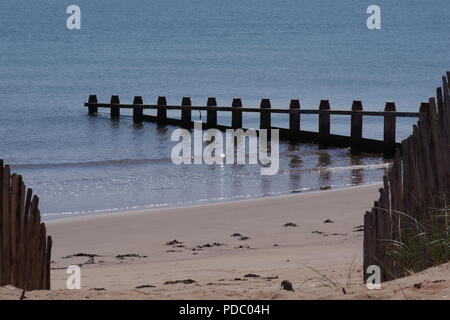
322,260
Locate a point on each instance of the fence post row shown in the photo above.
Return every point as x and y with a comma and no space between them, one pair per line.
25,248
415,186
355,141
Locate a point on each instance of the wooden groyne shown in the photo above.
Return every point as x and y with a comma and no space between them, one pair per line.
25,248
355,141
414,202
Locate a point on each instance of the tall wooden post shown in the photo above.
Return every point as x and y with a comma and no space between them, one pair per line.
161,113
115,110
6,244
137,109
211,114
294,118
356,129
441,110
324,124
389,131
236,115
265,117
186,113
446,101
1,224
423,110
92,110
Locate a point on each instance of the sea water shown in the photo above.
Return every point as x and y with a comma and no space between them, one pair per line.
253,49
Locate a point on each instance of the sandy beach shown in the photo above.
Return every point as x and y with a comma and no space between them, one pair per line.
234,250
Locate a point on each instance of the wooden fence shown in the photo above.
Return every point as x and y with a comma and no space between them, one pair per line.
417,183
25,249
324,138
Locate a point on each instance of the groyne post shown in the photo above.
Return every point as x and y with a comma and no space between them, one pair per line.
236,115
211,113
137,109
115,108
161,113
186,113
324,124
389,131
356,128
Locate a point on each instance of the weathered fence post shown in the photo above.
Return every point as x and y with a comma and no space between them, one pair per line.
324,124
6,248
1,223
115,110
441,110
211,114
161,113
92,110
236,115
446,101
356,128
13,196
186,113
265,118
137,109
294,118
389,130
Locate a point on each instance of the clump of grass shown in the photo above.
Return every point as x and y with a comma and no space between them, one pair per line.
422,245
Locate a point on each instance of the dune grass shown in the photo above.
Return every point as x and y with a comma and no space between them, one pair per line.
422,245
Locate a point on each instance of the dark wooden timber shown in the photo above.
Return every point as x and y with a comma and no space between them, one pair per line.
265,117
137,110
211,113
294,118
389,131
115,108
324,124
236,115
271,110
356,128
161,113
186,112
92,109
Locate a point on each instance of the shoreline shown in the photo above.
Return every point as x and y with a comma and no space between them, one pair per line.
200,203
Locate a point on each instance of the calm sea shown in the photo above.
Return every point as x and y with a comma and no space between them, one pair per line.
251,49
